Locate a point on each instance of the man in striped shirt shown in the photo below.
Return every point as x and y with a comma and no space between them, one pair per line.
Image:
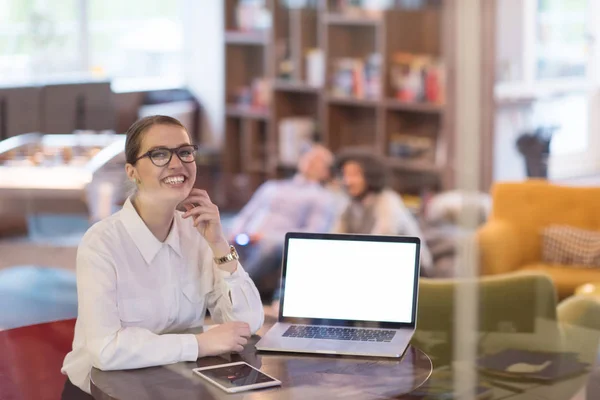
298,204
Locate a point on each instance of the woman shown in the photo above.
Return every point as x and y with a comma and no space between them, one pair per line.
150,271
374,208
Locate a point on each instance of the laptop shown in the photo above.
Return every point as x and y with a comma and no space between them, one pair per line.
346,294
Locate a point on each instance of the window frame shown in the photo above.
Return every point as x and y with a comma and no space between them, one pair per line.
529,88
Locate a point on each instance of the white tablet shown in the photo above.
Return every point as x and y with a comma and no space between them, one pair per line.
236,377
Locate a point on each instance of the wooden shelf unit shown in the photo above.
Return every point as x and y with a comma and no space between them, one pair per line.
340,19
234,110
286,85
251,134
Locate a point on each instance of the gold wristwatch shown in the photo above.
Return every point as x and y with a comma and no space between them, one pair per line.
233,255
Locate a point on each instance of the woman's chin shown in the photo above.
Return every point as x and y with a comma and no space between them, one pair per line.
169,194
174,195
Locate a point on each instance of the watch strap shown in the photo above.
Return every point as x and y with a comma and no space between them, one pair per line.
233,255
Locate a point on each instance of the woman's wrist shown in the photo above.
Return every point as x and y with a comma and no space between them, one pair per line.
221,248
200,345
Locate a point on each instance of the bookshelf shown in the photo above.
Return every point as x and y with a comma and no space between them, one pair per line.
272,76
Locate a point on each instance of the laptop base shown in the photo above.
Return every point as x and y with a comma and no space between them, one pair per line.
275,341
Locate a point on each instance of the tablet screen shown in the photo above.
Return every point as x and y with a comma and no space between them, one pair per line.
230,376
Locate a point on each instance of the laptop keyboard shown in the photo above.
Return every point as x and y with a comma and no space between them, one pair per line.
327,332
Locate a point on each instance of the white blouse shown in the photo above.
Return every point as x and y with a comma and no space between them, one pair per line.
136,292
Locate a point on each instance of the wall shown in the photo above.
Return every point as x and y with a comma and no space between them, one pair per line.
509,119
204,69
509,122
510,31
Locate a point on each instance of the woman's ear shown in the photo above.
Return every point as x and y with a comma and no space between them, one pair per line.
131,172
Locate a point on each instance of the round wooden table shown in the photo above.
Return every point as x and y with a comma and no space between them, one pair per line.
302,377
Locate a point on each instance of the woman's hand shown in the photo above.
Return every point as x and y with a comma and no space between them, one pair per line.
226,338
208,222
205,215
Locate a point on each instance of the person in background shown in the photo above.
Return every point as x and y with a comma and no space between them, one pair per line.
149,271
298,204
374,208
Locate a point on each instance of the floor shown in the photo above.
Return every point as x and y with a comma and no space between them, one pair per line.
33,294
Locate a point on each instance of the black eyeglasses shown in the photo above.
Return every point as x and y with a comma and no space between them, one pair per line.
162,156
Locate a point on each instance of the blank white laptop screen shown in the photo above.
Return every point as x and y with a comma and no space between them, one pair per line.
350,280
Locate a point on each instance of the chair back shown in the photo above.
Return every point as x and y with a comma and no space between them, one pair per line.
510,305
31,359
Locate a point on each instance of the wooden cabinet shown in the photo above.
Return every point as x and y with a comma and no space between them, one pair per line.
20,111
56,108
277,58
85,106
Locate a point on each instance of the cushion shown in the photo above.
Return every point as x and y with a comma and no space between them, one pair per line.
568,245
566,278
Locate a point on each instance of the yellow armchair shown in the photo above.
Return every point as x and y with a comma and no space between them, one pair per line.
511,239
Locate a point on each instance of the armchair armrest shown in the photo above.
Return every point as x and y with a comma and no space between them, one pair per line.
579,321
499,248
580,311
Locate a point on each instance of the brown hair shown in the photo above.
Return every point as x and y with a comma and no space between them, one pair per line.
374,168
135,133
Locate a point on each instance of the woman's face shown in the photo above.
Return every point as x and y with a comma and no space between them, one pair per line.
170,183
354,178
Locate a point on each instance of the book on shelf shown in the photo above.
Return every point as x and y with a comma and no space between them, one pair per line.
256,96
314,62
410,147
252,15
355,77
315,67
418,78
295,136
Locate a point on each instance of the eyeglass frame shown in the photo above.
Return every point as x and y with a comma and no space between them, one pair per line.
171,152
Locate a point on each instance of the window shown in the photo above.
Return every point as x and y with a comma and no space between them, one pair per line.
564,55
38,38
136,38
547,60
562,39
118,39
570,115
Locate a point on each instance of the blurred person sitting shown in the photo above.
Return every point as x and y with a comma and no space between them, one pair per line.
374,208
150,270
298,204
